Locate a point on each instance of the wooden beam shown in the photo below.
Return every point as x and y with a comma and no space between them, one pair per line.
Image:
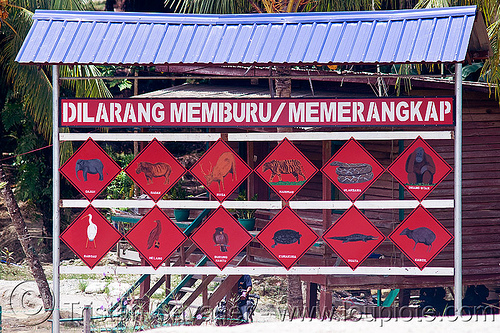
202,288
202,204
155,286
219,294
325,300
326,153
256,136
254,270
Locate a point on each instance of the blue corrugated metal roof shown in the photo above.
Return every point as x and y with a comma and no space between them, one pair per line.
404,36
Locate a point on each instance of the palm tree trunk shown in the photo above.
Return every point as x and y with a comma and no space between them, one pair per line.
26,242
294,293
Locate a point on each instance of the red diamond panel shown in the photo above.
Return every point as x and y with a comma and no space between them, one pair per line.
221,237
287,237
286,170
420,237
353,237
352,169
220,170
419,169
90,169
90,236
156,237
155,170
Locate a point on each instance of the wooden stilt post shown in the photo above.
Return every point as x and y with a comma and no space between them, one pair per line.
312,299
144,288
87,313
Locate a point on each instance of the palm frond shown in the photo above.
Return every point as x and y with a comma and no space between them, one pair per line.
433,4
33,82
210,6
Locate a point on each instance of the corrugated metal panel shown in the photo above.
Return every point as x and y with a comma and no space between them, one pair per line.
405,36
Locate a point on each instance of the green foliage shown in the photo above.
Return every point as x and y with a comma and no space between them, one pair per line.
121,84
7,255
12,113
14,272
177,192
278,183
33,83
82,285
33,165
245,213
268,6
122,187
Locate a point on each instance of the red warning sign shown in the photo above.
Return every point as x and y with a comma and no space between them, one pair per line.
352,169
287,237
155,170
221,237
420,237
419,169
220,170
90,236
353,237
286,170
90,169
156,237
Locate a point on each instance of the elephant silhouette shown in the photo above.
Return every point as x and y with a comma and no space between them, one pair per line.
92,166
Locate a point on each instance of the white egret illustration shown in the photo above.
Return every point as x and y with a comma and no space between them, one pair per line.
91,232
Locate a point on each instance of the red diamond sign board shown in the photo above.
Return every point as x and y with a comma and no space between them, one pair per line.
420,237
287,237
286,170
419,169
353,237
90,169
221,237
90,236
220,170
352,169
155,170
156,237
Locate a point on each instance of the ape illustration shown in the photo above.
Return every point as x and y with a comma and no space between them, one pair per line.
92,166
420,167
221,239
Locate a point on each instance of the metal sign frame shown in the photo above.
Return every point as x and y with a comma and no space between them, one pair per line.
456,203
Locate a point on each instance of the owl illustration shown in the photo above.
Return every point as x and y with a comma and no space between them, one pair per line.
221,239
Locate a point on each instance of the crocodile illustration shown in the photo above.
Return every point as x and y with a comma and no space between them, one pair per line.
354,238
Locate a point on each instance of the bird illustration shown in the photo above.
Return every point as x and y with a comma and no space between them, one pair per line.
221,239
91,232
154,235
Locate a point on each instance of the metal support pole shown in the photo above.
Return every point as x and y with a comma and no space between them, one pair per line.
458,190
55,199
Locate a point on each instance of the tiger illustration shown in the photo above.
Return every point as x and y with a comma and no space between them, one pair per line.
152,170
279,168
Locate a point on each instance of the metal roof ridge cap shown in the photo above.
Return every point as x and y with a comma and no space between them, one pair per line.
121,17
255,18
